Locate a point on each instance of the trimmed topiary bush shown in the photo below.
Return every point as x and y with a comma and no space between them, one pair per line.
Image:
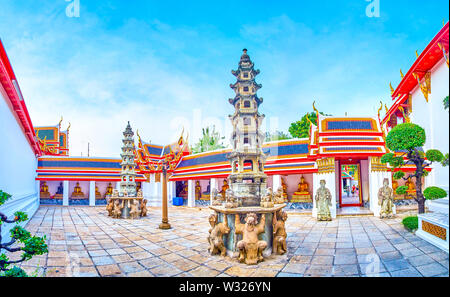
21,241
432,193
411,223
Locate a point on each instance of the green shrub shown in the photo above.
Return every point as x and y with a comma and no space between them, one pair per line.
432,193
411,223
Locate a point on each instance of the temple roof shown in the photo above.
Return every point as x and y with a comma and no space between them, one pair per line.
424,63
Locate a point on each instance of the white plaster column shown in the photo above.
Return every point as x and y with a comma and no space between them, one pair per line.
91,193
212,185
316,186
376,179
276,182
118,186
66,193
146,190
330,183
171,191
38,190
191,193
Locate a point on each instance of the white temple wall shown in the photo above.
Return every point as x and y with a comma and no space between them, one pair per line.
204,183
435,120
365,179
18,165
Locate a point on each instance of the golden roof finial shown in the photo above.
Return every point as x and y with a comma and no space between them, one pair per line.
317,112
401,74
417,54
405,116
59,124
68,127
379,109
392,88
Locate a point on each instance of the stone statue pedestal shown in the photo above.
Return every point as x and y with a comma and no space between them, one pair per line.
230,240
301,197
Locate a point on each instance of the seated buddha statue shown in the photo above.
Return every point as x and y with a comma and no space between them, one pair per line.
225,187
77,193
198,190
109,190
284,186
59,191
394,186
44,190
98,195
184,190
411,188
302,194
206,195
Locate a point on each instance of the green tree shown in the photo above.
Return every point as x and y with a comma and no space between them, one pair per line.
21,240
446,102
210,140
277,135
300,129
409,138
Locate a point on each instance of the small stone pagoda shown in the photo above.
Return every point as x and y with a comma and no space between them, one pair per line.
126,202
248,221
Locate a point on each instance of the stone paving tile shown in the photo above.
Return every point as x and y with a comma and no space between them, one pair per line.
432,269
347,246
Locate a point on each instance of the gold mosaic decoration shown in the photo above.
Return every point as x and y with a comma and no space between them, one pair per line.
435,230
325,165
376,164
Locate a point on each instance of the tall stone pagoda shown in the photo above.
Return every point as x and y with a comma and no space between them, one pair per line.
128,174
247,159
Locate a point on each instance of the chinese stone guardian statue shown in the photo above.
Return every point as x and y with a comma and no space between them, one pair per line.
279,232
267,200
134,210
143,207
323,202
230,199
278,196
386,200
117,209
217,198
215,237
110,207
250,247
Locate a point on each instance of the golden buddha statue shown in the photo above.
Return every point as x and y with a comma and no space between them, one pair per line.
98,195
77,193
225,187
198,190
184,190
411,189
109,190
284,187
44,190
302,194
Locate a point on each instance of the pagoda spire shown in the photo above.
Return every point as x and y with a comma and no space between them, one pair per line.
247,138
128,174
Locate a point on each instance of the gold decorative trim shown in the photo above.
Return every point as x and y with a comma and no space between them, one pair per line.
376,164
435,230
325,165
425,87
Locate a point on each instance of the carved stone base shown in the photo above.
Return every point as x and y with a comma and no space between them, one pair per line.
299,197
231,239
45,195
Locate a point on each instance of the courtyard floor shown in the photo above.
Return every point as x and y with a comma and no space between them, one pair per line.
84,241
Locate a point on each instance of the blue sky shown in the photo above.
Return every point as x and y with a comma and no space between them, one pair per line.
166,64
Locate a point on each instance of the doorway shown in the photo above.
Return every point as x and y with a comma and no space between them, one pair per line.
350,185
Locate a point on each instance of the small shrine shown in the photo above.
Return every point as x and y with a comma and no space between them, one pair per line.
248,221
302,194
127,203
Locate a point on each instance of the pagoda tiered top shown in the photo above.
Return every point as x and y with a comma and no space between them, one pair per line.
245,85
128,174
